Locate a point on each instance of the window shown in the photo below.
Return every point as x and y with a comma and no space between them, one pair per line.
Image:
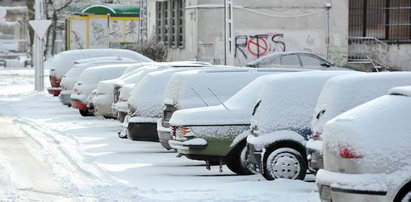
291,60
383,19
270,61
170,22
311,61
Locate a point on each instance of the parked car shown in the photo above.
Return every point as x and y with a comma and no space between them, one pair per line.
88,81
104,97
65,60
216,134
121,95
120,104
295,60
202,88
146,104
70,78
367,151
280,123
340,94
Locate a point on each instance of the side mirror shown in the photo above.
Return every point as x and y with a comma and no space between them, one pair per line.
326,64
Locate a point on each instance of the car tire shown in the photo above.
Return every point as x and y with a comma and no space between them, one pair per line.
284,162
404,195
85,112
238,163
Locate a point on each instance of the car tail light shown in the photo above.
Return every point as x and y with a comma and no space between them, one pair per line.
316,136
132,110
184,130
173,129
348,152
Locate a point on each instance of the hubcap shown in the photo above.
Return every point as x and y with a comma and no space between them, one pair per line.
286,165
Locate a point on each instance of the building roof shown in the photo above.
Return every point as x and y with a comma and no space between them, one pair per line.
118,10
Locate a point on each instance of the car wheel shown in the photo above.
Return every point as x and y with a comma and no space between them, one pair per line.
284,162
239,163
85,112
404,195
407,197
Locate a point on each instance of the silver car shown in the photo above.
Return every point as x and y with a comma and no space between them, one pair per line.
367,151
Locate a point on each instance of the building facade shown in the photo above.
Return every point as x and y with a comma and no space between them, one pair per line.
194,29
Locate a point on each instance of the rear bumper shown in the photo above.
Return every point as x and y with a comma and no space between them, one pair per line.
164,134
65,98
338,187
192,144
329,193
55,91
142,131
77,104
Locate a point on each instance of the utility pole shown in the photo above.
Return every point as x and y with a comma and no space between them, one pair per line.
142,34
40,26
229,33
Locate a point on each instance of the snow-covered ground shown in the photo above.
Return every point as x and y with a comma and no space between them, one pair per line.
91,163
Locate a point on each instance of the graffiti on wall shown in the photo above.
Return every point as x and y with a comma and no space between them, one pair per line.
258,45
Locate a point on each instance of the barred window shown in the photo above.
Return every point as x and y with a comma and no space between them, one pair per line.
388,20
170,22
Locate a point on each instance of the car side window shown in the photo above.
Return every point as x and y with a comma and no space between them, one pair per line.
310,61
270,61
291,60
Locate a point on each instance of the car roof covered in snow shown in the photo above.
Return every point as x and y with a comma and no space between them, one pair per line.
195,87
345,92
65,60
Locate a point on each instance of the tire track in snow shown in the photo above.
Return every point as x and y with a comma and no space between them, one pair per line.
98,182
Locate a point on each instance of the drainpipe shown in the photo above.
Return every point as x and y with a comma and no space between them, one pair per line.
327,40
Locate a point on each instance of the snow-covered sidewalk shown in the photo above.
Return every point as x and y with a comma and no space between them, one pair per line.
91,163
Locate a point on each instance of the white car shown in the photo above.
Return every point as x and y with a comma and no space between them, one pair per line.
104,97
64,61
70,78
88,81
146,104
343,93
120,97
202,88
367,152
280,123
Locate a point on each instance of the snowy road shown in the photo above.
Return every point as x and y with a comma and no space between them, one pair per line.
82,159
32,177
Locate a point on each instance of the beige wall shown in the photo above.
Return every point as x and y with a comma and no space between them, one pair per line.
297,24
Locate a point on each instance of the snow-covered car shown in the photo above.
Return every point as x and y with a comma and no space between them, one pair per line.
146,104
295,60
64,61
120,105
104,97
70,78
199,88
88,81
280,123
340,94
216,134
121,95
367,151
